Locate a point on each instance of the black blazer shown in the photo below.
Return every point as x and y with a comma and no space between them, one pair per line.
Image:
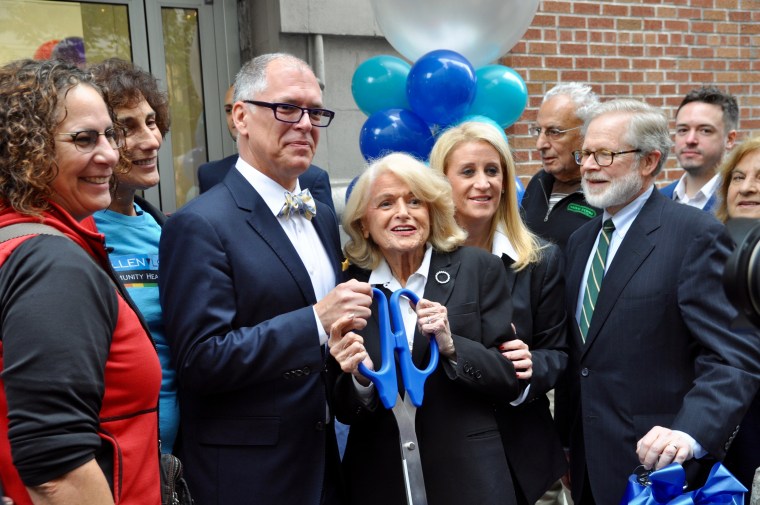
237,303
315,179
460,446
659,351
530,437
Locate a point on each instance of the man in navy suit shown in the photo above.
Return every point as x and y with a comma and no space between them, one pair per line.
212,173
706,124
656,374
248,288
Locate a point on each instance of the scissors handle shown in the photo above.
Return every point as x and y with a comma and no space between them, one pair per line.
413,377
385,379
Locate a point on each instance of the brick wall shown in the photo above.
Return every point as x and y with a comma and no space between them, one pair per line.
651,50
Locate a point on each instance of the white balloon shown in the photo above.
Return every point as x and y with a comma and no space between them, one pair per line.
480,30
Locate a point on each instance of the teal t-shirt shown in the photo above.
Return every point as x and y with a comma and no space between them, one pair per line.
133,245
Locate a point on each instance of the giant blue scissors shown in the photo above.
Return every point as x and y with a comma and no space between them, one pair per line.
393,340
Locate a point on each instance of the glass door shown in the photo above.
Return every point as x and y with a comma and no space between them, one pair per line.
173,39
83,33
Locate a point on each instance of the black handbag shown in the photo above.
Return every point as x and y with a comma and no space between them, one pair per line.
174,490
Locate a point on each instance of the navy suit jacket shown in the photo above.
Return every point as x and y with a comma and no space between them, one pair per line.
237,304
671,188
659,351
315,179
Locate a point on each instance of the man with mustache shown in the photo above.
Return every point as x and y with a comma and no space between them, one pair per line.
553,204
706,124
655,373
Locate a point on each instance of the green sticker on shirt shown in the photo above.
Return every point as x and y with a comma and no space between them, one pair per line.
581,209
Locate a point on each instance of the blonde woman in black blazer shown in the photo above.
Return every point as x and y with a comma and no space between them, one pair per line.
476,159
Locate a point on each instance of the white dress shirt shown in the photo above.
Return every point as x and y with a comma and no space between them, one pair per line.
699,200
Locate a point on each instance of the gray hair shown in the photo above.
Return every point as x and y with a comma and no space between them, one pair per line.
251,79
647,130
582,95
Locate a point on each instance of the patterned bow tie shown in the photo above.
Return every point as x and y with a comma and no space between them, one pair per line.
301,203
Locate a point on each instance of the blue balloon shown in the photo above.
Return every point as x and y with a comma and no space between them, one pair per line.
441,87
501,94
350,187
395,130
380,83
520,189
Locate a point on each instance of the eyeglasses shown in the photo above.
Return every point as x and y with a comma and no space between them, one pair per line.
289,113
603,157
86,140
552,133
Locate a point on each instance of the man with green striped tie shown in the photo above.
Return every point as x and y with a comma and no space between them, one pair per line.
655,373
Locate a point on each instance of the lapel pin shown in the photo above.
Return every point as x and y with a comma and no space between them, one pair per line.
442,277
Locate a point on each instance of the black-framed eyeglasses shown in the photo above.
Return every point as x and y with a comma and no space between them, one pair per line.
85,141
289,113
552,133
603,157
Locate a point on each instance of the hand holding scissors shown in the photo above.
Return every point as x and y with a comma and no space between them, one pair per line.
395,344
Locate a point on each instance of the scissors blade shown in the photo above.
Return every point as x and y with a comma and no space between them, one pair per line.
405,413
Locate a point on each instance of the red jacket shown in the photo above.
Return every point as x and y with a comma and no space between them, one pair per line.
128,419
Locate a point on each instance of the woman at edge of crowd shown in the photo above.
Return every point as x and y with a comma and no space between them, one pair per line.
739,197
80,378
132,225
402,233
477,161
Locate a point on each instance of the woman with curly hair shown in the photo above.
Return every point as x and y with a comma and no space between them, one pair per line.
80,374
132,226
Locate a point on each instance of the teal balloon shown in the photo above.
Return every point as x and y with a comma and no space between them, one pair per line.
501,94
380,83
487,120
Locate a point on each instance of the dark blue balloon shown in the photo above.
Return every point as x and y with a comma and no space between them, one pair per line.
395,130
350,187
441,87
520,189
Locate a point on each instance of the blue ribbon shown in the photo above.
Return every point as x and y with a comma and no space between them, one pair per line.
665,487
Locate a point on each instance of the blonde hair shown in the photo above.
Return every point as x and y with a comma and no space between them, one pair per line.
726,169
427,185
526,244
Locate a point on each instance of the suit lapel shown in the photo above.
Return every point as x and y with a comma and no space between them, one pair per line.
634,249
328,235
511,274
439,287
265,224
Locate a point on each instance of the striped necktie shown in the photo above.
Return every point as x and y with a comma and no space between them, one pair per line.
595,276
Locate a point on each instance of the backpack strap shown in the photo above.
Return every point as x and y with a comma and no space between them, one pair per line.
21,229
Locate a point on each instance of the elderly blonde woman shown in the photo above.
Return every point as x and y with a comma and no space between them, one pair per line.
402,234
739,197
476,159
